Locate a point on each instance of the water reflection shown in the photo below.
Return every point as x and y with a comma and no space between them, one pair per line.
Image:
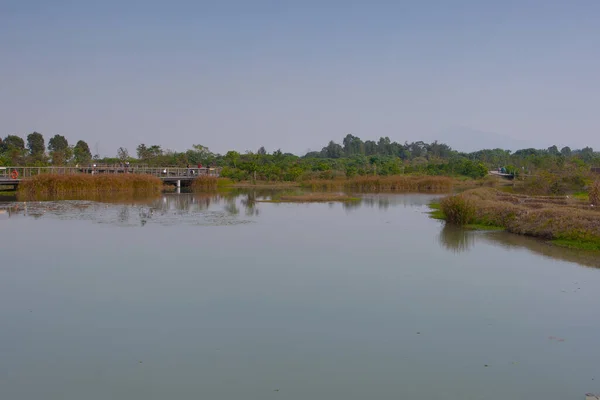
241,206
385,201
458,240
166,209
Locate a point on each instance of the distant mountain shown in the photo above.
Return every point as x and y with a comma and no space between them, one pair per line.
469,140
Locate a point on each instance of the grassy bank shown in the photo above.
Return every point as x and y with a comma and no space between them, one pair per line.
565,221
395,183
52,185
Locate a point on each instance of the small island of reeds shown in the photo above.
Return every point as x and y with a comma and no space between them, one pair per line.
564,220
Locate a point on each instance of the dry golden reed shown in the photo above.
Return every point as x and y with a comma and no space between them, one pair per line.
52,185
205,183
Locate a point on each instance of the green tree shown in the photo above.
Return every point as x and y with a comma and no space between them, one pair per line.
200,154
82,152
566,151
333,150
36,144
58,147
232,158
142,152
58,143
353,145
12,142
586,154
553,151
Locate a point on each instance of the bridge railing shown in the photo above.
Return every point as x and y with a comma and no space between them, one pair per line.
161,172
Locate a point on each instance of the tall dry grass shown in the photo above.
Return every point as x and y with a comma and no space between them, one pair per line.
53,185
204,183
395,183
595,194
458,209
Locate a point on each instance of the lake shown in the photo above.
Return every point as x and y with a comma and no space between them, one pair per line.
187,296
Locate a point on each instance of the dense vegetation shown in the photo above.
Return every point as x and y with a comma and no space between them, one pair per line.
354,157
564,220
53,185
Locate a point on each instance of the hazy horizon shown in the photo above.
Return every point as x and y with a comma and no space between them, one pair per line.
294,75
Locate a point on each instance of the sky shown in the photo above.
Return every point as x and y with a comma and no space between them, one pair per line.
292,75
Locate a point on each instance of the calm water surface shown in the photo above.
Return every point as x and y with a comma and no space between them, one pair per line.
210,297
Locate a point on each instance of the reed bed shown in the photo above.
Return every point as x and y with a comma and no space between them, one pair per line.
564,220
53,185
395,183
205,183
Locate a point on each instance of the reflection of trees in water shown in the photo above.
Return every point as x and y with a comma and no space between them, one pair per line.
139,210
459,240
456,239
538,246
385,201
249,203
124,214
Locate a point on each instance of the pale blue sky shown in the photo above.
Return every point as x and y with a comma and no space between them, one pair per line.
235,74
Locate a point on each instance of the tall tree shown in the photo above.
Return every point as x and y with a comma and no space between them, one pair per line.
122,154
553,151
59,146
587,154
36,144
58,143
353,145
142,152
333,150
566,151
12,142
82,153
232,158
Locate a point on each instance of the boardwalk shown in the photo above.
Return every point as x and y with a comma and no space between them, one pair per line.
12,176
496,173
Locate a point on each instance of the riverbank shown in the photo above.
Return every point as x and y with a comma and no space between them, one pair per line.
56,185
393,183
564,221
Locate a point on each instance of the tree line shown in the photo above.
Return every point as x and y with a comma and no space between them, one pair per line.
351,157
33,152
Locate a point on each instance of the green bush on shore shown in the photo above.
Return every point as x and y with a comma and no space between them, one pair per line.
458,210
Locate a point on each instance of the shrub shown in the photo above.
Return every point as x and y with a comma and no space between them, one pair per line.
458,210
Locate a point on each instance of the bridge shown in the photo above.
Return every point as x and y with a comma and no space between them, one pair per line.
13,176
